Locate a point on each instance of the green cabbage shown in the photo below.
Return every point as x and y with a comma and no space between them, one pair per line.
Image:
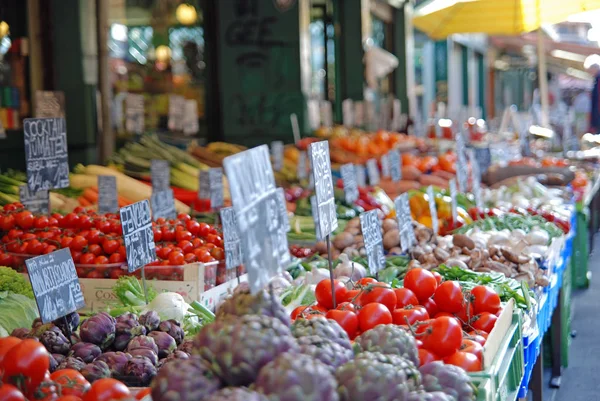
16,311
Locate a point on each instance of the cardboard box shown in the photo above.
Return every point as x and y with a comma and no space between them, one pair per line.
98,292
214,296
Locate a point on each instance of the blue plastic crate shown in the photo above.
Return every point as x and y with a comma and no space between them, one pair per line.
531,350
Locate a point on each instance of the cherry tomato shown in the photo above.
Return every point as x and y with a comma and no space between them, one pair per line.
25,219
25,364
405,297
102,225
298,311
184,217
183,236
478,336
110,246
411,313
116,258
465,360
95,237
192,226
443,336
78,243
345,318
34,247
186,246
204,230
363,282
449,297
65,242
9,392
218,253
85,222
431,306
101,260
426,356
68,398
95,249
7,222
323,292
346,306
352,295
379,293
472,347
71,381
421,282
87,259
190,257
438,277
485,299
372,315
107,390
176,258
466,313
168,234
484,321
6,344
70,220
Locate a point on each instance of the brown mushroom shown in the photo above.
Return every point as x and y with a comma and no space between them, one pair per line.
463,241
513,257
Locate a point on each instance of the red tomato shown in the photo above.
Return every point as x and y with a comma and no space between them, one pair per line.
466,313
405,297
478,336
347,319
421,282
431,306
448,297
25,364
6,344
78,243
107,390
472,347
70,220
116,258
168,234
465,360
346,306
71,381
379,293
372,315
443,336
186,246
352,295
95,237
87,259
41,222
7,222
485,299
68,398
426,356
9,392
219,254
363,282
192,226
204,230
183,235
190,258
176,258
323,292
184,217
65,242
484,321
298,311
95,249
25,219
110,246
409,315
438,277
34,247
101,260
85,222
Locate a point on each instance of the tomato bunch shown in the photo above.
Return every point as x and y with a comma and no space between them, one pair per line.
96,241
24,370
450,324
301,251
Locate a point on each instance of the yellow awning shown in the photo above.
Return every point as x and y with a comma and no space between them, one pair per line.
441,18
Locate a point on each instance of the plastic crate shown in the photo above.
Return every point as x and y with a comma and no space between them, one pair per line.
531,350
501,380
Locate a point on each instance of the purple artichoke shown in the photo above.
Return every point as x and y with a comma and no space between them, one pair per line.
116,361
126,329
236,394
87,352
175,355
424,396
186,346
99,329
186,380
141,368
449,379
173,328
59,358
151,320
126,316
166,344
68,324
96,370
142,342
53,363
21,333
71,363
55,341
148,353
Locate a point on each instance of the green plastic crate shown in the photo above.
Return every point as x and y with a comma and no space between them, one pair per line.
502,380
579,258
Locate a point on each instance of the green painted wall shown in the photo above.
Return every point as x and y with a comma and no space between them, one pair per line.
464,54
259,71
441,70
349,54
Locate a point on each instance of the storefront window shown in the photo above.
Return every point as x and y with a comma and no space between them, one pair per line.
156,49
322,34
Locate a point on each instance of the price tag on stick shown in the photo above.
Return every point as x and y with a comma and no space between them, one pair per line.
405,225
108,201
433,210
231,238
453,192
55,284
163,205
134,113
160,172
361,176
373,172
385,166
257,206
395,165
36,202
46,155
351,193
313,208
475,179
461,164
302,171
370,226
277,154
176,113
211,186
